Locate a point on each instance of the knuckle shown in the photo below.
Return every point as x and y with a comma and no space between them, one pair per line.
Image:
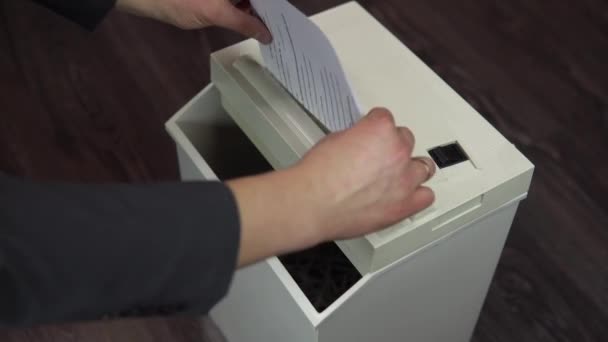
430,194
409,184
409,137
384,116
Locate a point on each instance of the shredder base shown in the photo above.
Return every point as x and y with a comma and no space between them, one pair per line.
434,295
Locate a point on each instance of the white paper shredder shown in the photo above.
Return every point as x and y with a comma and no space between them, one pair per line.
424,279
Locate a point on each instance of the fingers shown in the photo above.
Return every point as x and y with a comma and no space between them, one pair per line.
407,138
421,199
407,135
381,116
378,115
237,20
420,170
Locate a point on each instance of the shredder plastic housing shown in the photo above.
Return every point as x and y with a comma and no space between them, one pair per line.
423,279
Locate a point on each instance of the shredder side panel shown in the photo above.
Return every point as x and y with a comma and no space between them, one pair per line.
258,306
202,110
260,309
187,169
435,295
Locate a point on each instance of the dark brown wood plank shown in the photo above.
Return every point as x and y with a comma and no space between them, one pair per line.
91,106
128,330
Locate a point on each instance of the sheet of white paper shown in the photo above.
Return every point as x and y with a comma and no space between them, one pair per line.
303,60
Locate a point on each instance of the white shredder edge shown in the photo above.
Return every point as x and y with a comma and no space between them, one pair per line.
432,293
383,72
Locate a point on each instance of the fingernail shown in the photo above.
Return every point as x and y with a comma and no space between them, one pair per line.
264,37
429,166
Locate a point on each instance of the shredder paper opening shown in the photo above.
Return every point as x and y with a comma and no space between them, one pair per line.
225,148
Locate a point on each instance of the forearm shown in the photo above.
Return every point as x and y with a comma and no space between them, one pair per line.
75,252
87,13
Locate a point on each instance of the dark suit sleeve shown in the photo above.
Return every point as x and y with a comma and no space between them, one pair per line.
86,13
78,252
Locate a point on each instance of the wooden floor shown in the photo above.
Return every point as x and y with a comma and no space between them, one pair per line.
91,106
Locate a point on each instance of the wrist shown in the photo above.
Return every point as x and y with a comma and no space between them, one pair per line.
305,207
279,213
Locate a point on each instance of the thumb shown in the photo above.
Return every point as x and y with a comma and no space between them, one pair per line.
237,20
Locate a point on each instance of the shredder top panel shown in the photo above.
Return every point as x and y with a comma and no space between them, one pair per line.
481,169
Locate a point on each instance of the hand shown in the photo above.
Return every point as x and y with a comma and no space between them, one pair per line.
366,178
196,14
350,184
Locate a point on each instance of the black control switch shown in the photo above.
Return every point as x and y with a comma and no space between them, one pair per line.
448,155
